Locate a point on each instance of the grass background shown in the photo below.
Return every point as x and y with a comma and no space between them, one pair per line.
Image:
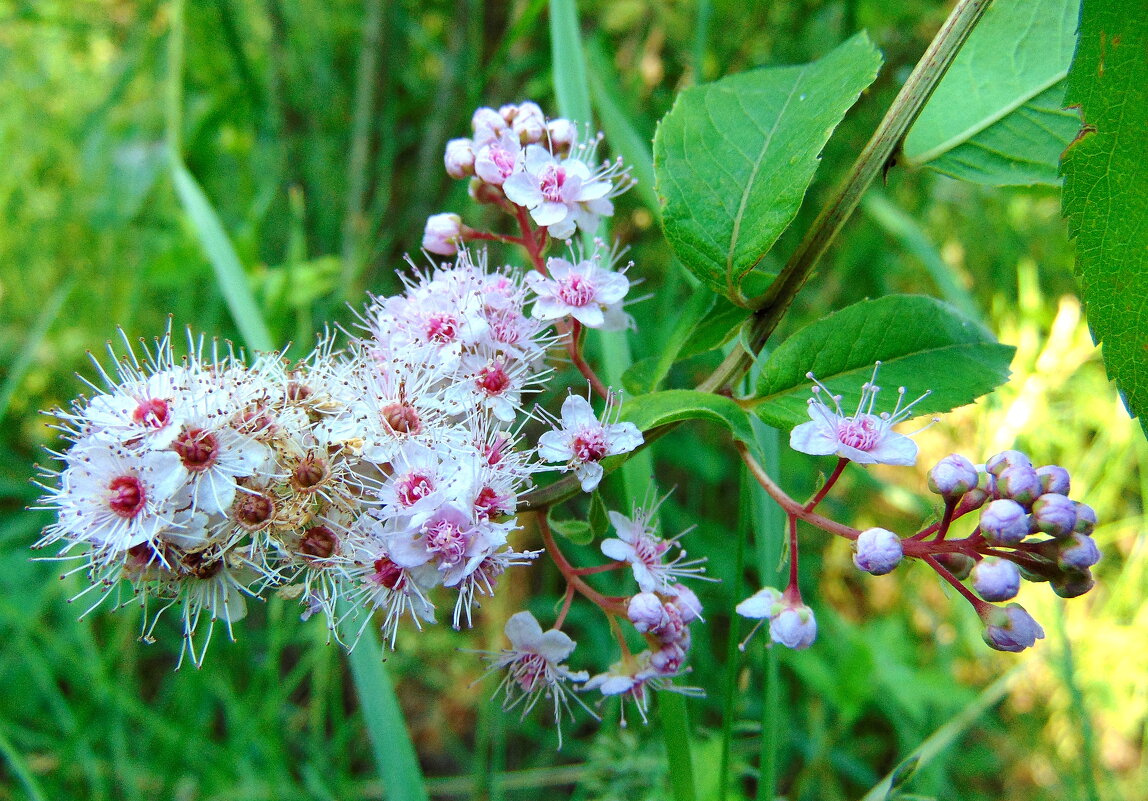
322,164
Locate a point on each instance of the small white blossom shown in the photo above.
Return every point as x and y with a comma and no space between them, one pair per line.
581,441
585,291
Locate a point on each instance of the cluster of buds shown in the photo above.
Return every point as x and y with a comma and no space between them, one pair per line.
1028,526
525,164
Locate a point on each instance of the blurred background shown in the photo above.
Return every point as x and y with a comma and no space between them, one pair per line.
315,129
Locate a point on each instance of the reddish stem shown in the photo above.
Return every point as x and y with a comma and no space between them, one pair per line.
981,606
828,485
587,571
534,246
574,347
792,593
566,601
570,573
470,233
946,519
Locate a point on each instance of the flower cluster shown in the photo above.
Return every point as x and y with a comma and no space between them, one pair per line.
517,159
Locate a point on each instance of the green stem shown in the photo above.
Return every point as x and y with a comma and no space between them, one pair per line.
875,157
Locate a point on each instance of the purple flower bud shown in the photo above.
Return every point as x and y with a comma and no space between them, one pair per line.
1054,514
1011,628
985,490
996,579
1085,518
646,611
878,551
1004,522
1053,478
1006,459
795,627
959,564
668,659
1073,583
1020,483
952,477
529,123
1079,552
459,158
562,133
487,124
443,233
687,603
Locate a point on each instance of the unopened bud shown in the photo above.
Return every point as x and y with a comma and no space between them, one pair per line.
1054,514
1085,518
1073,583
443,234
687,603
487,124
1011,628
459,158
765,603
1020,483
646,611
1078,552
794,627
1054,478
878,551
996,579
1006,459
959,564
1004,522
668,659
562,133
952,477
529,124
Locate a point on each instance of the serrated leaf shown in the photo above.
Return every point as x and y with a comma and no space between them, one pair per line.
673,405
922,344
1105,200
733,158
998,115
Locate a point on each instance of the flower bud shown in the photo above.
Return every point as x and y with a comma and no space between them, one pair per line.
996,579
1020,483
794,627
1054,514
562,134
487,124
529,123
878,551
443,234
952,477
1011,628
668,659
959,564
1085,518
1004,522
1078,552
687,603
646,611
1006,459
1073,583
765,603
459,158
1053,478
985,490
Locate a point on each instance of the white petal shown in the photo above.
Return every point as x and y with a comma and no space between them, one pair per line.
523,631
814,438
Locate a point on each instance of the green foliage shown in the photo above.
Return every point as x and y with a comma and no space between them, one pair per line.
998,115
1105,201
733,159
922,344
675,405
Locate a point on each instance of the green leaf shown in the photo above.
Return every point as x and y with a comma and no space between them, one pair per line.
674,405
998,115
1105,175
578,532
922,344
229,274
599,518
644,376
733,158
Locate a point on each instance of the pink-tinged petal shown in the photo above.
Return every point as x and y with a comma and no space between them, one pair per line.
590,316
554,446
589,475
523,631
559,268
616,685
814,438
554,646
550,212
611,287
539,283
577,412
647,581
623,438
615,319
618,550
855,455
571,189
576,167
594,190
627,530
895,449
564,229
522,189
549,308
537,158
759,605
407,551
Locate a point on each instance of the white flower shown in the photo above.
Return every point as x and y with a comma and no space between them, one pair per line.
588,293
639,544
791,623
862,437
582,441
561,195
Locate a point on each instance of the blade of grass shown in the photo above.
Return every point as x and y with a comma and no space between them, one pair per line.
943,737
732,661
394,752
27,355
1068,676
19,769
705,11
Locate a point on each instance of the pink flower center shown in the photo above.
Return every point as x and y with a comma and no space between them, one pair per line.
503,159
197,448
492,379
487,502
528,670
127,496
387,574
152,413
861,433
496,450
551,181
448,541
589,445
576,290
649,551
413,487
442,328
402,418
